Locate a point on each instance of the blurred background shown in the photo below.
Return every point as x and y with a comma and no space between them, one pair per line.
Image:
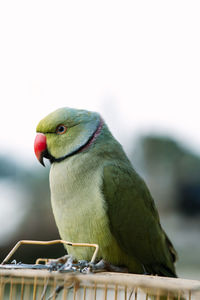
135,62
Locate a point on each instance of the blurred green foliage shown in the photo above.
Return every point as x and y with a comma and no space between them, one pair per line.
171,171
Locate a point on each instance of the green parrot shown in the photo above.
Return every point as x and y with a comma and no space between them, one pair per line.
97,196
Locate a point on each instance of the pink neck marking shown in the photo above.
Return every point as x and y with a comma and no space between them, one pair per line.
95,135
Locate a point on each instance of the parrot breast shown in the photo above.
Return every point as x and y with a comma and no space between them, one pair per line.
80,211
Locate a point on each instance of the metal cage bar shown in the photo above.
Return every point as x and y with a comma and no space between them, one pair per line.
44,285
53,242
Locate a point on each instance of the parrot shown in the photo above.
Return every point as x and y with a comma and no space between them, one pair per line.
98,197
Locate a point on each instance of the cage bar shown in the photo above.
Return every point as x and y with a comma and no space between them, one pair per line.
42,285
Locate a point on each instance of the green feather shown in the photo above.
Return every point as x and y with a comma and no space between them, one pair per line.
134,220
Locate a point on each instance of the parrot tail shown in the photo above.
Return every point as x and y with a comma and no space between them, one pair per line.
172,251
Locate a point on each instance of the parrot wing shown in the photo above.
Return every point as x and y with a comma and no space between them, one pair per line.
134,220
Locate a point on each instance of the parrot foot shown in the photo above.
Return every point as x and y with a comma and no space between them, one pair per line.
103,266
65,262
68,263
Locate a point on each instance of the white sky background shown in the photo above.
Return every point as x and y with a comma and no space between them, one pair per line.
141,58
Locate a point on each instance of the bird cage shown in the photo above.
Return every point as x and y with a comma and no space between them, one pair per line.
40,284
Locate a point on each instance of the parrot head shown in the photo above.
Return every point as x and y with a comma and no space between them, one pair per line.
66,132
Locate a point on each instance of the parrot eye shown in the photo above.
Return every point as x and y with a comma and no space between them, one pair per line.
61,129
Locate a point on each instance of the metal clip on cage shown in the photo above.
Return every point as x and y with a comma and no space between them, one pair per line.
53,242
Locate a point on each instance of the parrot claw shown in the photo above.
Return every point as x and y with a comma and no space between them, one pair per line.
68,263
62,263
104,266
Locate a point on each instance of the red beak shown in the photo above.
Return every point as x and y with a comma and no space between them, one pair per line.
40,146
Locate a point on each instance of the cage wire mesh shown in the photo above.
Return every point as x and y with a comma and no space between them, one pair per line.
40,284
